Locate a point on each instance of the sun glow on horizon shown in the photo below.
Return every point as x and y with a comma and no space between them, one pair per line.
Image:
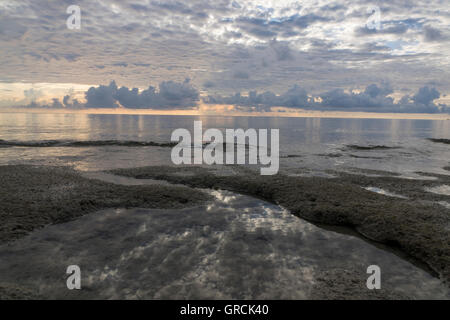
226,111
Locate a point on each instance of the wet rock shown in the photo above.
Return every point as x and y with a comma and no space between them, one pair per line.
349,284
32,197
13,292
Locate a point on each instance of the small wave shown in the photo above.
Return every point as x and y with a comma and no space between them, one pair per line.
291,156
100,143
446,141
370,147
87,143
362,157
330,155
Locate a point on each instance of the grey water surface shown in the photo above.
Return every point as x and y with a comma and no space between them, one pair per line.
314,144
235,247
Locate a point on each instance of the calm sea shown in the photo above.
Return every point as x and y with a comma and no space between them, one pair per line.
316,144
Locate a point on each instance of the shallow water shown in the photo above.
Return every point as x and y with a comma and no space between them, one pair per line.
234,247
385,193
443,189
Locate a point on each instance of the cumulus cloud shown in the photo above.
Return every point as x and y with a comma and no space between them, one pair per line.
374,98
426,96
169,95
102,96
294,97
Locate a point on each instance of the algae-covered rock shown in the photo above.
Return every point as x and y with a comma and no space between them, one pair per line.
32,197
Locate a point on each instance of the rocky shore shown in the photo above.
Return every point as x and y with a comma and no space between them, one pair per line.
33,197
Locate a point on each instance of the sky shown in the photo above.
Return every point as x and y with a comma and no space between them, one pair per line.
377,56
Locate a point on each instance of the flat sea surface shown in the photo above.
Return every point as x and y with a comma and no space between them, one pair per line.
316,144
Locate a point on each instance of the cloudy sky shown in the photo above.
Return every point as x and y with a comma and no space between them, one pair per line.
379,55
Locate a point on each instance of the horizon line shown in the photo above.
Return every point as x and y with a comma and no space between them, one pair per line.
297,114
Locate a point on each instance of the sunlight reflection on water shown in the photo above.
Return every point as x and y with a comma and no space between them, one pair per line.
235,247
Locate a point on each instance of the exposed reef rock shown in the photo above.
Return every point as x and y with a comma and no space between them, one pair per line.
32,197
